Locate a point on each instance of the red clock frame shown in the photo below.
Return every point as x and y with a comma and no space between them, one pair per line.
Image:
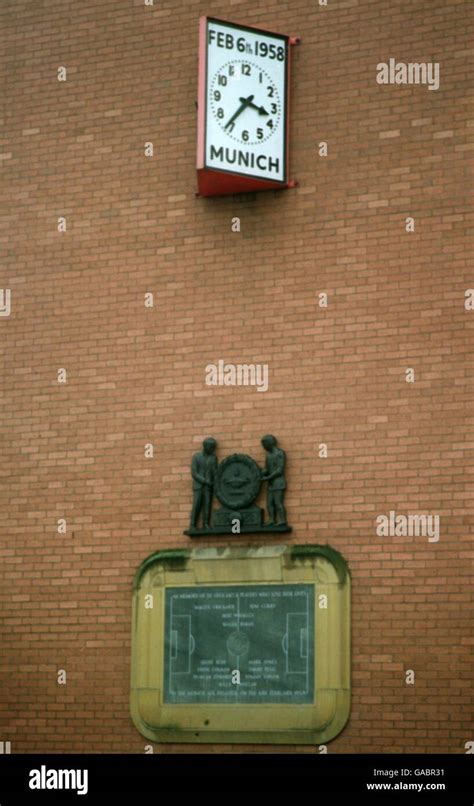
211,181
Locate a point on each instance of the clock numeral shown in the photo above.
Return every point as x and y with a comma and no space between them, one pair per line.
220,112
222,80
260,78
270,124
217,96
246,70
230,126
245,135
274,109
231,69
259,134
270,91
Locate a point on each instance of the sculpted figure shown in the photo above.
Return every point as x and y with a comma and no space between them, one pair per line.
274,474
203,471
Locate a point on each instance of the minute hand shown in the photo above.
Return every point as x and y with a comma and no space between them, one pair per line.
245,102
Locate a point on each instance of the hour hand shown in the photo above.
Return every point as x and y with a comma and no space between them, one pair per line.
244,103
260,109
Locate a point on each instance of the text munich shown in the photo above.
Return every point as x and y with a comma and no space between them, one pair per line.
246,159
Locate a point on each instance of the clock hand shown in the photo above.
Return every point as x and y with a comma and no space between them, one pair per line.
260,109
244,104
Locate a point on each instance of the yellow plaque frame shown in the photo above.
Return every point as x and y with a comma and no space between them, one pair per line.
314,723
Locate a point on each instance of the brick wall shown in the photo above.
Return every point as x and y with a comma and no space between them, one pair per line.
135,375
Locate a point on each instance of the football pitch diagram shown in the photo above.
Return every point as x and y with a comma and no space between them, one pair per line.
263,632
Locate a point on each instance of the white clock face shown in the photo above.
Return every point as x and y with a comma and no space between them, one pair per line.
245,126
245,102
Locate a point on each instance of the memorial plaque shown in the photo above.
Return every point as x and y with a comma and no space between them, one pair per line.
247,644
265,632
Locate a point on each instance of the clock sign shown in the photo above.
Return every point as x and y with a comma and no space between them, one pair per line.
243,109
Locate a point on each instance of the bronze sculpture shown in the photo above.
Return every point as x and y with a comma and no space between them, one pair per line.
236,483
